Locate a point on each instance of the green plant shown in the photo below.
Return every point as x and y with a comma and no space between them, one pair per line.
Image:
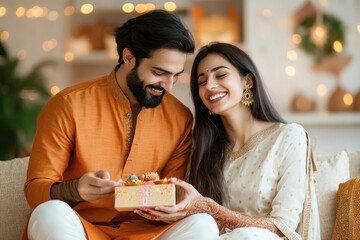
21,99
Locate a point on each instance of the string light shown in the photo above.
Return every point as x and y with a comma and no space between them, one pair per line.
318,35
21,54
2,11
20,11
150,7
170,6
338,47
87,8
36,11
324,2
69,10
290,71
4,36
54,90
348,99
296,38
140,8
321,90
128,7
45,11
292,55
28,13
53,15
69,56
267,13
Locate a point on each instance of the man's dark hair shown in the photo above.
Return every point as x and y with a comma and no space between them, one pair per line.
151,31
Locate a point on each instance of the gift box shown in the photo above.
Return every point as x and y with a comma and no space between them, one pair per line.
128,198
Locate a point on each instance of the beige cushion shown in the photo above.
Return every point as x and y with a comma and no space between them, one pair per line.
332,170
13,205
354,160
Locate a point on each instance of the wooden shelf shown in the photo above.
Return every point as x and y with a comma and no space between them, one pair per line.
324,118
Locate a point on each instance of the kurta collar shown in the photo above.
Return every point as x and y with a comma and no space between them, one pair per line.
254,141
115,89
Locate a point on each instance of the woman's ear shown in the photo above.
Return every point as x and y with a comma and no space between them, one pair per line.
128,57
248,80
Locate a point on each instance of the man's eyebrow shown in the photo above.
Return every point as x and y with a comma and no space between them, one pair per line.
166,71
212,70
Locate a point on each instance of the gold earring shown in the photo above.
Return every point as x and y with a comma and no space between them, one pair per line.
210,112
247,97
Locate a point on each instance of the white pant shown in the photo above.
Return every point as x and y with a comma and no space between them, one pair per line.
55,220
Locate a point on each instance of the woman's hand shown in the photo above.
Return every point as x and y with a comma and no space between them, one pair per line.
188,206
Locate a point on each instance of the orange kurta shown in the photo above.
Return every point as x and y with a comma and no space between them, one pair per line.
86,128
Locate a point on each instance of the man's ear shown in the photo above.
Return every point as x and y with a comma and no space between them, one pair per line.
128,57
249,81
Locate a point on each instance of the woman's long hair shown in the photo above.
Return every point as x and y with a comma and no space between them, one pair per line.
210,139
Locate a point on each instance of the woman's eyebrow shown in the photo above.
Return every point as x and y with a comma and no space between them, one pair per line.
212,70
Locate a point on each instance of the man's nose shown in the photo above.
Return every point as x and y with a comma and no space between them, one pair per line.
168,84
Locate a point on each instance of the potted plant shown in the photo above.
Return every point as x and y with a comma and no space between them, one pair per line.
21,99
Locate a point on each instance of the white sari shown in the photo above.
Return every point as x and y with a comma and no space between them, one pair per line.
272,177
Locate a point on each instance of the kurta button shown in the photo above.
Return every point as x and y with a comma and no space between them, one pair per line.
128,115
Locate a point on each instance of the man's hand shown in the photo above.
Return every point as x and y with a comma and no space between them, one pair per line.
95,185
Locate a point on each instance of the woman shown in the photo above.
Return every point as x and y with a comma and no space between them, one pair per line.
252,172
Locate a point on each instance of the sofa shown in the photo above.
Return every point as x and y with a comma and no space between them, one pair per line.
332,170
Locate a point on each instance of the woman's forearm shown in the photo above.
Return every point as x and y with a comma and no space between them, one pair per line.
227,218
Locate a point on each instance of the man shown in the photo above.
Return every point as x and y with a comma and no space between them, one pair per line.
92,135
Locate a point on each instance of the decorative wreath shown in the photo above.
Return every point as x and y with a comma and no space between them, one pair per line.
334,32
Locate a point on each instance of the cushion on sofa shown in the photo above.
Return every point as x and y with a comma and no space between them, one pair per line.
13,205
354,163
332,170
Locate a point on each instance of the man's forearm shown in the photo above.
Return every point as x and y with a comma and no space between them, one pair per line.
66,191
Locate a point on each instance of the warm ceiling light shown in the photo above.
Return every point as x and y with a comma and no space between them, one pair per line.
128,7
4,36
20,11
348,99
86,8
290,71
358,27
321,90
2,11
69,10
53,15
150,7
292,55
337,46
54,90
170,6
296,38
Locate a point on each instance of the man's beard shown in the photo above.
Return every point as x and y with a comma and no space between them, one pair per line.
139,91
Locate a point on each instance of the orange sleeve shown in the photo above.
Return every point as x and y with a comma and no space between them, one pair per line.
52,148
176,166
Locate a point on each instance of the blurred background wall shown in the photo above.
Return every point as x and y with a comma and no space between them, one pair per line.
77,34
